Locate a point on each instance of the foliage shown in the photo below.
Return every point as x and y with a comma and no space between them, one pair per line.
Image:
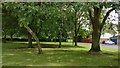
41,17
59,20
9,23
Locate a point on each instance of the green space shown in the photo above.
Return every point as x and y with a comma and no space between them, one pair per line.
59,33
15,54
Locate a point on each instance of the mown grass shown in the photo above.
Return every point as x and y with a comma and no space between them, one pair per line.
13,54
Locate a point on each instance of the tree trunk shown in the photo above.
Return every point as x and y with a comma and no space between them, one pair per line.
11,37
36,38
96,33
4,40
97,26
75,31
60,41
75,38
30,41
118,42
95,47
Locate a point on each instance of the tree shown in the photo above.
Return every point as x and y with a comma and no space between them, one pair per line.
118,11
97,22
24,12
79,18
9,25
57,18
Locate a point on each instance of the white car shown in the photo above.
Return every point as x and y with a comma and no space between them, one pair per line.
109,42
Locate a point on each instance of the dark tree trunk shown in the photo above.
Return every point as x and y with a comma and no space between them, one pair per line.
59,43
94,20
4,40
60,40
75,38
11,37
95,47
30,41
75,31
37,34
96,33
97,27
36,38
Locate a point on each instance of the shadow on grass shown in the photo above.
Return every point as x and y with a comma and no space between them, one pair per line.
25,45
60,67
67,55
64,48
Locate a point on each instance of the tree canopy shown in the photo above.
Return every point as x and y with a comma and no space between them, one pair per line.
58,20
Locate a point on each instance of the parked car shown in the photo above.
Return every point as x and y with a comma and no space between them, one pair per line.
108,42
114,39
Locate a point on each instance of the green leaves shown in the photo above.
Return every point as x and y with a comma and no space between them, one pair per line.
51,16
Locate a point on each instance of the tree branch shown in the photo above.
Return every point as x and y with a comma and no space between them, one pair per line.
79,25
105,17
97,12
90,15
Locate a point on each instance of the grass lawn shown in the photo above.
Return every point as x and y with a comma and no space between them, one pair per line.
14,55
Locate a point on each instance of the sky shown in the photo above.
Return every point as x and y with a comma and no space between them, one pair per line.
112,16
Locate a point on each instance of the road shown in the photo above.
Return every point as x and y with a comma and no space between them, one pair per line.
107,46
110,46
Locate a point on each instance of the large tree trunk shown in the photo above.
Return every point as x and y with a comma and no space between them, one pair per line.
96,33
36,38
97,26
30,41
95,47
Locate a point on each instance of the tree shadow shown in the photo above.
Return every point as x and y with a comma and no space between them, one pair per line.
57,46
107,53
71,46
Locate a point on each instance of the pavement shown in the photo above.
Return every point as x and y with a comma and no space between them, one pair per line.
110,46
113,46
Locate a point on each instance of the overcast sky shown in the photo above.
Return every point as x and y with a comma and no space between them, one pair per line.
112,16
